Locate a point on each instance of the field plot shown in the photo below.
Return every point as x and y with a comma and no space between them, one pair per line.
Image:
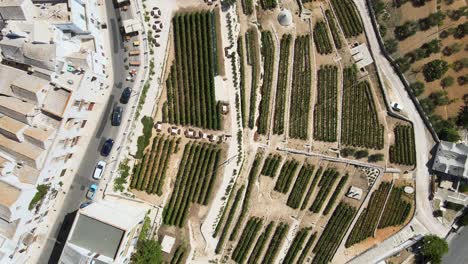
268,54
282,85
360,122
194,181
243,106
334,29
296,245
300,186
326,109
286,176
190,84
246,240
150,173
348,17
397,209
251,39
271,165
300,90
321,39
403,151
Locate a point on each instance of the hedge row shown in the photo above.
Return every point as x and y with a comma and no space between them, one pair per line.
333,28
260,244
396,209
307,248
335,194
268,54
348,17
286,175
360,124
194,181
190,85
317,176
252,58
247,7
178,255
369,218
253,175
333,233
229,203
300,89
281,85
321,39
229,219
403,151
271,165
275,243
268,4
300,186
296,245
240,52
326,107
151,172
246,240
326,183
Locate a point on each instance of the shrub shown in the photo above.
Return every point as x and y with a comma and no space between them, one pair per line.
361,154
417,88
42,190
434,70
348,17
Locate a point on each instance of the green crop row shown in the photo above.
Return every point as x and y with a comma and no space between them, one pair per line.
333,233
223,215
252,58
190,85
333,28
369,218
326,182
317,176
260,244
151,172
282,84
296,245
403,151
178,255
286,175
360,123
348,17
194,181
326,107
321,39
268,4
271,165
268,54
275,243
335,194
396,209
307,248
300,186
247,6
300,90
247,239
240,52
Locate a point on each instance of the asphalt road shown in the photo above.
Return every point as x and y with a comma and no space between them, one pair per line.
82,178
458,248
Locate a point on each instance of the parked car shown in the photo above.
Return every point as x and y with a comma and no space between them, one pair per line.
125,97
91,191
99,170
396,106
83,205
117,116
107,147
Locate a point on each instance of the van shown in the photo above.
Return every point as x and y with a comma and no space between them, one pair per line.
99,170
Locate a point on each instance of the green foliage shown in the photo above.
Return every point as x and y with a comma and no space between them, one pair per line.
261,243
347,151
317,176
326,183
326,107
178,255
432,20
282,84
391,45
246,240
321,39
433,248
333,28
307,248
247,7
268,54
405,30
240,51
300,186
462,118
268,4
361,154
148,251
286,175
453,206
275,243
417,88
445,129
434,70
447,81
335,194
348,17
124,171
396,210
463,220
296,245
404,150
252,58
375,157
42,190
143,140
271,165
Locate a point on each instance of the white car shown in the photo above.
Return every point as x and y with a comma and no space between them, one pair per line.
99,170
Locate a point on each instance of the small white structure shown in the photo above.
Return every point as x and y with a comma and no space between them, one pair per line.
285,18
131,26
158,127
354,193
167,244
361,56
174,130
409,189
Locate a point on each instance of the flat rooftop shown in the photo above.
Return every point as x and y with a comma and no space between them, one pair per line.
21,151
30,83
56,101
10,194
16,105
7,76
96,236
11,125
39,134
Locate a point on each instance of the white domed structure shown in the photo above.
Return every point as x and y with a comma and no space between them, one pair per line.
285,18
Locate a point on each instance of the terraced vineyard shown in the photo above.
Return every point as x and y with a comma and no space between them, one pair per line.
360,124
268,54
369,218
300,186
281,85
321,39
403,151
246,240
348,17
333,233
317,176
190,85
326,182
252,59
271,165
326,107
149,175
296,245
275,242
396,209
286,175
300,90
334,29
194,181
261,244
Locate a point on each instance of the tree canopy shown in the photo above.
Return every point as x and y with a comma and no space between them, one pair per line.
148,251
434,70
433,248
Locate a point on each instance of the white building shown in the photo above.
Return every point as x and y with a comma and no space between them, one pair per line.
103,232
452,159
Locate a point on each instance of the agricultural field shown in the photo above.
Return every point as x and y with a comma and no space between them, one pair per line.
286,176
348,17
397,209
403,151
271,165
326,108
268,54
243,106
251,39
282,84
321,38
334,29
190,84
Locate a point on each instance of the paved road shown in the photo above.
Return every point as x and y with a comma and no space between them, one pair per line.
82,179
458,249
423,142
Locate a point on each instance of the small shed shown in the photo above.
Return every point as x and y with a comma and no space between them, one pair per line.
354,193
167,244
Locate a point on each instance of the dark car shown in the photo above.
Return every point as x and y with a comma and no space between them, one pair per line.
117,116
125,97
107,147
